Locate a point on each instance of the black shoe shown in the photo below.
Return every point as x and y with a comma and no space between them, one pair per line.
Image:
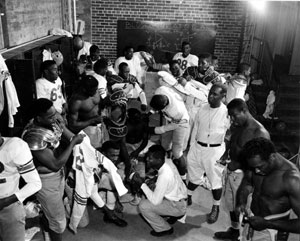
189,200
163,233
114,219
212,217
172,220
230,234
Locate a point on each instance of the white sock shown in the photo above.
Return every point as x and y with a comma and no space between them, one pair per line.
216,202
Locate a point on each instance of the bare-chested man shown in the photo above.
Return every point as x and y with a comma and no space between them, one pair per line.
244,128
84,113
275,186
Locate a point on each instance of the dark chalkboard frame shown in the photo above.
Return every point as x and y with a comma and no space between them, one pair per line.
165,38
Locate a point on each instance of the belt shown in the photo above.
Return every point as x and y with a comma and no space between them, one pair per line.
208,145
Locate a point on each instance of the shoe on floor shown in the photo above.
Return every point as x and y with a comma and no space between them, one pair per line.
172,220
163,233
212,217
230,234
114,219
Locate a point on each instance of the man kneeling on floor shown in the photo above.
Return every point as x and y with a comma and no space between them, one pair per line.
168,197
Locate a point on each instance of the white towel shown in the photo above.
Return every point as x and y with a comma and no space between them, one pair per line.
12,100
86,159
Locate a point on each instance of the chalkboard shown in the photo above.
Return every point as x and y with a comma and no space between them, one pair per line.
165,38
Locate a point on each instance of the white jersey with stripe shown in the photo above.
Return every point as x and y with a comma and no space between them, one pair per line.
16,161
185,62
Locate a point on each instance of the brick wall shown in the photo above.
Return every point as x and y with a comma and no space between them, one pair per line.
226,15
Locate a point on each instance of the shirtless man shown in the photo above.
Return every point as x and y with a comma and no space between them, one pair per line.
244,128
43,136
84,113
275,186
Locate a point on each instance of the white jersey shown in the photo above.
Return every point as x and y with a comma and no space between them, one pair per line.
185,62
51,91
16,161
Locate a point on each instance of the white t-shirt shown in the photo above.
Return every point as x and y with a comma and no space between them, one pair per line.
16,160
184,63
51,91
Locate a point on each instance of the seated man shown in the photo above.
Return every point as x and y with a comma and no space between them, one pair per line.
105,182
168,197
43,136
176,131
129,84
184,58
204,72
84,113
275,186
15,162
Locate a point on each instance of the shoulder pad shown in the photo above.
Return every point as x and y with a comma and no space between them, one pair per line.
112,79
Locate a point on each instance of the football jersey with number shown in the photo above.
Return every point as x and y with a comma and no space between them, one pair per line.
184,62
51,91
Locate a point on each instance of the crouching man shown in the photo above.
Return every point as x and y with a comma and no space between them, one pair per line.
168,197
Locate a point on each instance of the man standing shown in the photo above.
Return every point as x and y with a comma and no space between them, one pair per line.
185,59
168,197
43,136
84,112
244,128
50,86
207,147
176,130
15,161
275,186
238,83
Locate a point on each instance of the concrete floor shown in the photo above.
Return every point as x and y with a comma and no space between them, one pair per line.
195,228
